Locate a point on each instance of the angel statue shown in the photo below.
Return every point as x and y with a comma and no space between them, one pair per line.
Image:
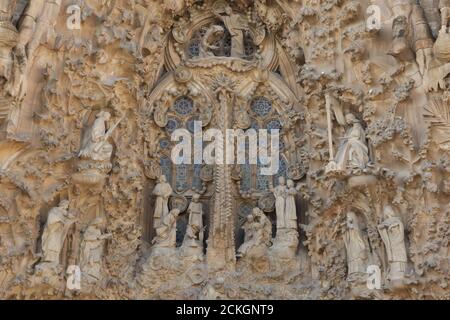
95,145
236,25
353,151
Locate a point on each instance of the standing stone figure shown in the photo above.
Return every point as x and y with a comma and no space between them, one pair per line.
442,44
166,233
236,26
95,145
290,213
418,33
194,230
258,233
58,223
393,235
353,151
92,247
280,193
162,191
355,246
14,41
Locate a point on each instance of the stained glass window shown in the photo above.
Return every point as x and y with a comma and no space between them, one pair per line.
181,182
251,177
262,181
261,106
183,106
246,177
172,125
194,48
273,125
190,125
281,170
166,167
164,143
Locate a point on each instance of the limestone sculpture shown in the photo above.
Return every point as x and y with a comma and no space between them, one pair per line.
236,26
280,194
393,234
194,231
162,191
353,152
258,234
166,231
355,246
58,223
91,92
92,250
95,145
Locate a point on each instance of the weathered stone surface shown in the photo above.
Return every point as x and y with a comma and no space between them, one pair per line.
92,207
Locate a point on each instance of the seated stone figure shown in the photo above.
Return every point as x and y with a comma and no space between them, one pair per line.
353,152
166,233
95,145
258,234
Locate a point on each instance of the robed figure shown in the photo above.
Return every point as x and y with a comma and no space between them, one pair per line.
194,229
290,213
162,191
58,224
393,235
166,233
95,145
353,151
236,26
355,246
280,193
92,248
258,233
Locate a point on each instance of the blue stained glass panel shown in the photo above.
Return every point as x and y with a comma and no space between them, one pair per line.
184,106
172,125
194,48
166,168
262,182
281,170
164,143
181,181
273,125
246,177
261,106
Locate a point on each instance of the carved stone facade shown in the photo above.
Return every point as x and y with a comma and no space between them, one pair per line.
359,89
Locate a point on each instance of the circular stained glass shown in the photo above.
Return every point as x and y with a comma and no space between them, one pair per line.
261,106
273,125
172,125
183,106
194,48
164,143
